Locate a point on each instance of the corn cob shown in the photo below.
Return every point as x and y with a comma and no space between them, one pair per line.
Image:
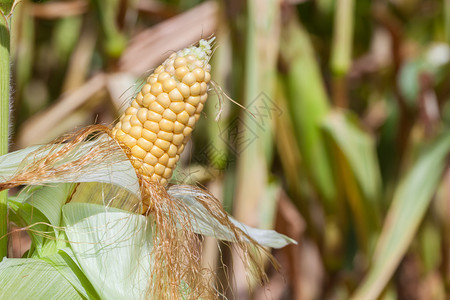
159,121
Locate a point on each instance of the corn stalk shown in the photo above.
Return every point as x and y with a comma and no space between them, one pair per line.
4,115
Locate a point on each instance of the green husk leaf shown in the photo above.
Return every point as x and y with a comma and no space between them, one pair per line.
33,279
115,169
112,248
204,223
64,263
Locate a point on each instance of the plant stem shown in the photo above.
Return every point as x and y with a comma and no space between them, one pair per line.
342,49
4,124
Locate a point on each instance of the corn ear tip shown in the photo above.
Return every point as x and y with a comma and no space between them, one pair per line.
203,51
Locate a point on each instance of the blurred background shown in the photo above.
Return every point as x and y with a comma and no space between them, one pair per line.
342,145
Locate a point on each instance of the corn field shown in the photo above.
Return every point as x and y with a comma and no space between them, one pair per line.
295,149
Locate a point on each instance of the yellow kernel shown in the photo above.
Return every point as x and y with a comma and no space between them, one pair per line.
156,107
183,117
164,100
135,131
157,88
137,163
159,69
178,127
170,69
199,108
138,152
169,84
208,68
203,98
171,163
152,126
164,159
156,151
180,149
197,116
190,59
193,100
176,96
155,177
134,121
126,118
191,122
170,61
164,135
166,125
126,127
159,169
142,115
149,135
169,115
203,88
164,145
152,116
167,173
163,76
187,131
199,74
144,144
119,134
146,89
172,150
189,79
207,77
177,107
163,182
184,89
179,61
139,97
150,159
131,110
129,141
152,79
148,99
147,168
198,64
135,104
190,109
180,72
195,89
178,139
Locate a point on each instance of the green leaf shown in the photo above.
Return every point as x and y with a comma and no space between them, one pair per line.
357,168
65,263
33,279
37,207
48,199
308,105
411,200
112,247
358,148
28,216
114,169
204,223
